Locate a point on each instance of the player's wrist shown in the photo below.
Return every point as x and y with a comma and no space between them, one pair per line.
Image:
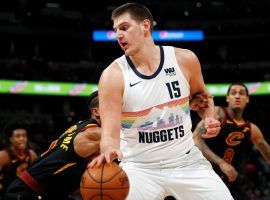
220,162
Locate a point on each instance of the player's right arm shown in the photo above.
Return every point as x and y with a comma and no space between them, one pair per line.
111,88
198,133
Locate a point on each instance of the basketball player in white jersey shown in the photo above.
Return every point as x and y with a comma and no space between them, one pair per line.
145,94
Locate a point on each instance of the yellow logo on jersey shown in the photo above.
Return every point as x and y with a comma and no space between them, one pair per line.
71,129
65,143
234,138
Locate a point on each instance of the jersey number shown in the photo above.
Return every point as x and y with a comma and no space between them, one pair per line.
174,89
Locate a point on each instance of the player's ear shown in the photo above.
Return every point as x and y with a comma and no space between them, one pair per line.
95,111
146,26
248,99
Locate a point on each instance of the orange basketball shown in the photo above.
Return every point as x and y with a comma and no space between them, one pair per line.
108,182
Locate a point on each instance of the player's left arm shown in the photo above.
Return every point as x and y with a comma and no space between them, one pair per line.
259,141
191,68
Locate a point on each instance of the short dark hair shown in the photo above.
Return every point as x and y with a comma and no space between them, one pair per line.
238,83
137,11
92,101
11,126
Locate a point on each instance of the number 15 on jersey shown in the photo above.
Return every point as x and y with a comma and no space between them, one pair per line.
174,89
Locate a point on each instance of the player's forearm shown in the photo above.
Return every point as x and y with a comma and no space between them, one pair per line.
207,152
109,142
212,157
264,149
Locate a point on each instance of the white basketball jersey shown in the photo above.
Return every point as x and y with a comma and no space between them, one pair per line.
156,123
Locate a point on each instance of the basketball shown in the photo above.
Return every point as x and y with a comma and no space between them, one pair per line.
108,182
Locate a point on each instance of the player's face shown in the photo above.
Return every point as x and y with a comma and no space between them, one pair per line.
237,97
19,139
129,33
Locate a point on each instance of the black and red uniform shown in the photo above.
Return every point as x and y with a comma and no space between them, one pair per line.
234,146
15,167
57,172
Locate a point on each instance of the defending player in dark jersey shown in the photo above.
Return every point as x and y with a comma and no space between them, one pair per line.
16,158
229,150
233,142
57,172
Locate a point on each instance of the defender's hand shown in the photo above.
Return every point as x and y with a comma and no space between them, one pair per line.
199,101
229,170
212,127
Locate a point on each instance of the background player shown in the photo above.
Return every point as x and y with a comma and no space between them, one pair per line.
230,150
17,157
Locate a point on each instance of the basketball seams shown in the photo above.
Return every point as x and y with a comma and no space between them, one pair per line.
105,189
101,178
101,188
94,179
116,186
113,176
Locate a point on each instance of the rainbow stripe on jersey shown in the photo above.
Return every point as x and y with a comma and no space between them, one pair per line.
128,118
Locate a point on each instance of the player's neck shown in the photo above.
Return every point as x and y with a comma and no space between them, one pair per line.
147,60
236,114
19,152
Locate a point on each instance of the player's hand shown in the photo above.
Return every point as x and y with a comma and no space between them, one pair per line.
212,127
108,156
199,101
229,170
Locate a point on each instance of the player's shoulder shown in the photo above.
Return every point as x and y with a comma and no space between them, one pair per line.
4,157
32,154
111,69
186,58
256,133
112,77
219,113
185,53
3,153
254,127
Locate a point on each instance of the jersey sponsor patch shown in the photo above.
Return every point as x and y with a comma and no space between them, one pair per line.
170,71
